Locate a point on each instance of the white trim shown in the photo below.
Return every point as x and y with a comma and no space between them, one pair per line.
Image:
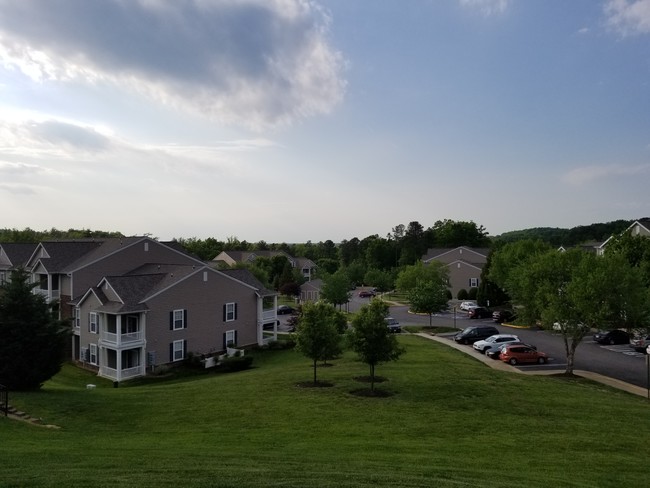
93,325
180,350
180,320
93,357
230,314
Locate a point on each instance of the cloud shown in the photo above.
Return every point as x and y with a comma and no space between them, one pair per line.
586,174
628,17
487,7
256,63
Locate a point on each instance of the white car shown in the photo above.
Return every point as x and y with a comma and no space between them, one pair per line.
494,341
467,305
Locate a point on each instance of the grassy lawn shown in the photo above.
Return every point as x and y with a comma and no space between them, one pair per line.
450,422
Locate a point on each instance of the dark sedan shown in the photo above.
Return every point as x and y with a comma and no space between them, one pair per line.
615,336
285,310
500,316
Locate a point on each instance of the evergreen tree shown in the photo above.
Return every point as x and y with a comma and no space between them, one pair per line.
32,340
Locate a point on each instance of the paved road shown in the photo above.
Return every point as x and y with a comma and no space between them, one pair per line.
619,362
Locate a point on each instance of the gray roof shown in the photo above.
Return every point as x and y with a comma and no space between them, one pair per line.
434,253
247,277
18,252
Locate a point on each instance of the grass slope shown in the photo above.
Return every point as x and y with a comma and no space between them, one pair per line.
451,422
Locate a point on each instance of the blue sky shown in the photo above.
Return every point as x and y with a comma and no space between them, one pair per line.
296,120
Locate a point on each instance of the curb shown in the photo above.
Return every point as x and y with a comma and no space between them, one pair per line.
501,366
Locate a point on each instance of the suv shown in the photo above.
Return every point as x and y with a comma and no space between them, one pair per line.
393,325
479,313
476,333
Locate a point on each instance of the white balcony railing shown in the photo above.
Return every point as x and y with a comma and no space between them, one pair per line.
118,375
121,339
269,315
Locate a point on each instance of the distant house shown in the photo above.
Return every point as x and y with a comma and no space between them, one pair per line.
231,258
639,227
465,265
310,290
13,256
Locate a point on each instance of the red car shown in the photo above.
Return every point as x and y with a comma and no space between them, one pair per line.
522,353
366,293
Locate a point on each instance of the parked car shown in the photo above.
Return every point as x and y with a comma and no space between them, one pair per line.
472,334
496,352
366,293
515,354
269,325
614,336
285,310
500,316
640,343
479,313
493,342
467,305
393,325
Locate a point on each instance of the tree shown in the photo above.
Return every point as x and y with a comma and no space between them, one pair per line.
428,297
511,256
409,277
32,340
382,280
370,338
317,335
451,233
336,288
574,291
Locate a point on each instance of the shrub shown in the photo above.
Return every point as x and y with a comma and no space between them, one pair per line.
236,363
449,294
462,294
473,292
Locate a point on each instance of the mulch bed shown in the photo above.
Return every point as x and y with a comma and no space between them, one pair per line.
311,384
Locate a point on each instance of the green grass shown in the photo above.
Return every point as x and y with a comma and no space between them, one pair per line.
451,421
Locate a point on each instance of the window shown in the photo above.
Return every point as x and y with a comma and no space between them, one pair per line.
77,317
93,354
178,350
230,312
473,282
231,338
3,277
178,319
93,322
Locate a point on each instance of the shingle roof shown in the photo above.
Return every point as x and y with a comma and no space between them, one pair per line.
18,252
247,277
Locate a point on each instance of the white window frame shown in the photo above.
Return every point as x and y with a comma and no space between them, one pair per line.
93,322
93,354
230,337
230,311
473,282
179,318
178,350
77,317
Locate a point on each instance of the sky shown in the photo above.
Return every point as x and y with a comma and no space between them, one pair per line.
298,120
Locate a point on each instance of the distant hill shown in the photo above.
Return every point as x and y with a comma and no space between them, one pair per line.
567,237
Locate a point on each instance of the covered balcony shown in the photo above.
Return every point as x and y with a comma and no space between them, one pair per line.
121,331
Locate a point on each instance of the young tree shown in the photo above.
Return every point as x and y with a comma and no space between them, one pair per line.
317,336
370,338
32,340
428,297
336,288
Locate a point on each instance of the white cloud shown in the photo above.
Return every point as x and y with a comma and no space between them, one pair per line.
628,17
256,63
586,174
487,7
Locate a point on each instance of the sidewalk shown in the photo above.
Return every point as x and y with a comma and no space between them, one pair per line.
500,365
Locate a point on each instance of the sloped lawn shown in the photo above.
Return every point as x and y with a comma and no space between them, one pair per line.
449,421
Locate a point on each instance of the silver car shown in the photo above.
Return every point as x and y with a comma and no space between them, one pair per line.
494,341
